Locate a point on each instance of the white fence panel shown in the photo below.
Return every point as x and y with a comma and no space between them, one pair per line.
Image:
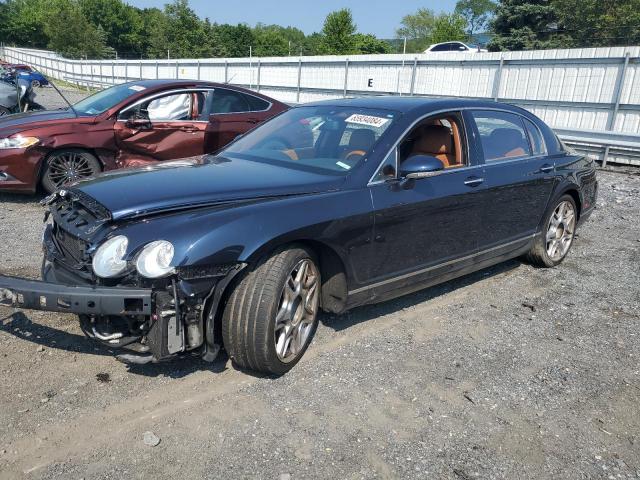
582,90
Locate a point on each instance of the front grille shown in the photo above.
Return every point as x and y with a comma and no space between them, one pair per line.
73,248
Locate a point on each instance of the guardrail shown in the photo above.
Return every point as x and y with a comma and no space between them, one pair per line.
590,96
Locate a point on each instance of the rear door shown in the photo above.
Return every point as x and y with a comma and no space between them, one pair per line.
518,175
173,129
230,114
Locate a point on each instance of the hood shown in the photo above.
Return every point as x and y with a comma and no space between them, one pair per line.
175,186
34,119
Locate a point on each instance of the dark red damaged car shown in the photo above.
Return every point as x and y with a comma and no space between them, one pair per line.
126,125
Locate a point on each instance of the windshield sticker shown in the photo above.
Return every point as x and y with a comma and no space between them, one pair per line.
137,88
344,165
367,120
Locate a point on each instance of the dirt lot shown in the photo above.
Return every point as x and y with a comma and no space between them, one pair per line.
513,372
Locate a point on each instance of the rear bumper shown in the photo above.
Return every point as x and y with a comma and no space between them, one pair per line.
52,297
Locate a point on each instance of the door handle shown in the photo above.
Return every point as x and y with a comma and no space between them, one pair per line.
189,128
253,120
473,181
546,168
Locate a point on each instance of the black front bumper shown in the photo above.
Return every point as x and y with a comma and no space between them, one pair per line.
53,297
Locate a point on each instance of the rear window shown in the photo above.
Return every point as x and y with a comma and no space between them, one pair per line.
502,135
537,142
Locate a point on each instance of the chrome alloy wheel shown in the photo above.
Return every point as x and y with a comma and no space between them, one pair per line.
68,167
560,230
297,310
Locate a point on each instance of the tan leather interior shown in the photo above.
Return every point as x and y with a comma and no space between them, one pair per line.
436,141
360,142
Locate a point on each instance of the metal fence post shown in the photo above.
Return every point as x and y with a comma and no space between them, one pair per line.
113,72
617,94
177,69
299,79
258,79
198,69
413,75
226,71
141,69
346,77
157,70
126,71
497,80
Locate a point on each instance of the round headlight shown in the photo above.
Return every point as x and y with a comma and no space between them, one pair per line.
155,259
108,260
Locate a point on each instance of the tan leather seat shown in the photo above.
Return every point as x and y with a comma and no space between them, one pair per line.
360,142
436,141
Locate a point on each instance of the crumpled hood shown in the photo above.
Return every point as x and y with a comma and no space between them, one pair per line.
178,185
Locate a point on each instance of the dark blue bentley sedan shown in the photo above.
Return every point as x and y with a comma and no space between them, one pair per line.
327,206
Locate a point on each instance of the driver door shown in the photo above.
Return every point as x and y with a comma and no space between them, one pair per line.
427,223
163,127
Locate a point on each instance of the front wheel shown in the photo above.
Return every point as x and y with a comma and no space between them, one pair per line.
67,166
35,83
272,314
553,244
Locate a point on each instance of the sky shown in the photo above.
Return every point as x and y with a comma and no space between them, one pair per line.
379,17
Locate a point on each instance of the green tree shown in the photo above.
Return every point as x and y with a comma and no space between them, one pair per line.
25,22
122,24
233,40
448,28
72,35
274,40
476,13
525,25
599,23
417,28
368,44
338,33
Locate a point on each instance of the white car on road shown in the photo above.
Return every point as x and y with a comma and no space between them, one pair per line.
449,47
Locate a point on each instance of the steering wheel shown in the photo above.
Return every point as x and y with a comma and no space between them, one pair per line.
276,143
360,153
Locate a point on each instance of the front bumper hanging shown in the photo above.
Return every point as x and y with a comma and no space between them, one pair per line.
51,297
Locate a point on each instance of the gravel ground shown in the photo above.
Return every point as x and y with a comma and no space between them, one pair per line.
49,98
512,372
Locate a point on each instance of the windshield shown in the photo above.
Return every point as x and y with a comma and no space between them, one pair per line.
324,139
105,99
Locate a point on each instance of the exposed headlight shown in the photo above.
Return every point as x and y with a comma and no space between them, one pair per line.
155,259
18,142
108,260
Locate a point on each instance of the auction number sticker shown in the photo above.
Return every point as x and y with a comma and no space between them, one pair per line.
137,88
369,120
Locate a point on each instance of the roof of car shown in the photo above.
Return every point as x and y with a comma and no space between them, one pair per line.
410,104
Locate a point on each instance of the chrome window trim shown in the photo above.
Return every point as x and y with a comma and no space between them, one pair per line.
461,109
404,134
544,142
192,90
439,265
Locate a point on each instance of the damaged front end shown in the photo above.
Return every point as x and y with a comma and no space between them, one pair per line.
152,320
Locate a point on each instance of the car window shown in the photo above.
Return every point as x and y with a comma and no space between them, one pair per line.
324,139
502,135
106,99
257,104
171,107
535,137
440,48
222,100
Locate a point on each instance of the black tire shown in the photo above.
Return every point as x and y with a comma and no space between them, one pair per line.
53,175
35,83
539,255
249,328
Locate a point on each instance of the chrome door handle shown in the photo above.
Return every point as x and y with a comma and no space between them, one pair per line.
473,181
546,168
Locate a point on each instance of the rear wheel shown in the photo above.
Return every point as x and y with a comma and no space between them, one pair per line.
35,83
272,314
67,166
553,244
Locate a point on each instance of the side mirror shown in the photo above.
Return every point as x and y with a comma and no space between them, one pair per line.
139,123
420,166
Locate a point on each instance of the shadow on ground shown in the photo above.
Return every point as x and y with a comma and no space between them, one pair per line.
20,325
